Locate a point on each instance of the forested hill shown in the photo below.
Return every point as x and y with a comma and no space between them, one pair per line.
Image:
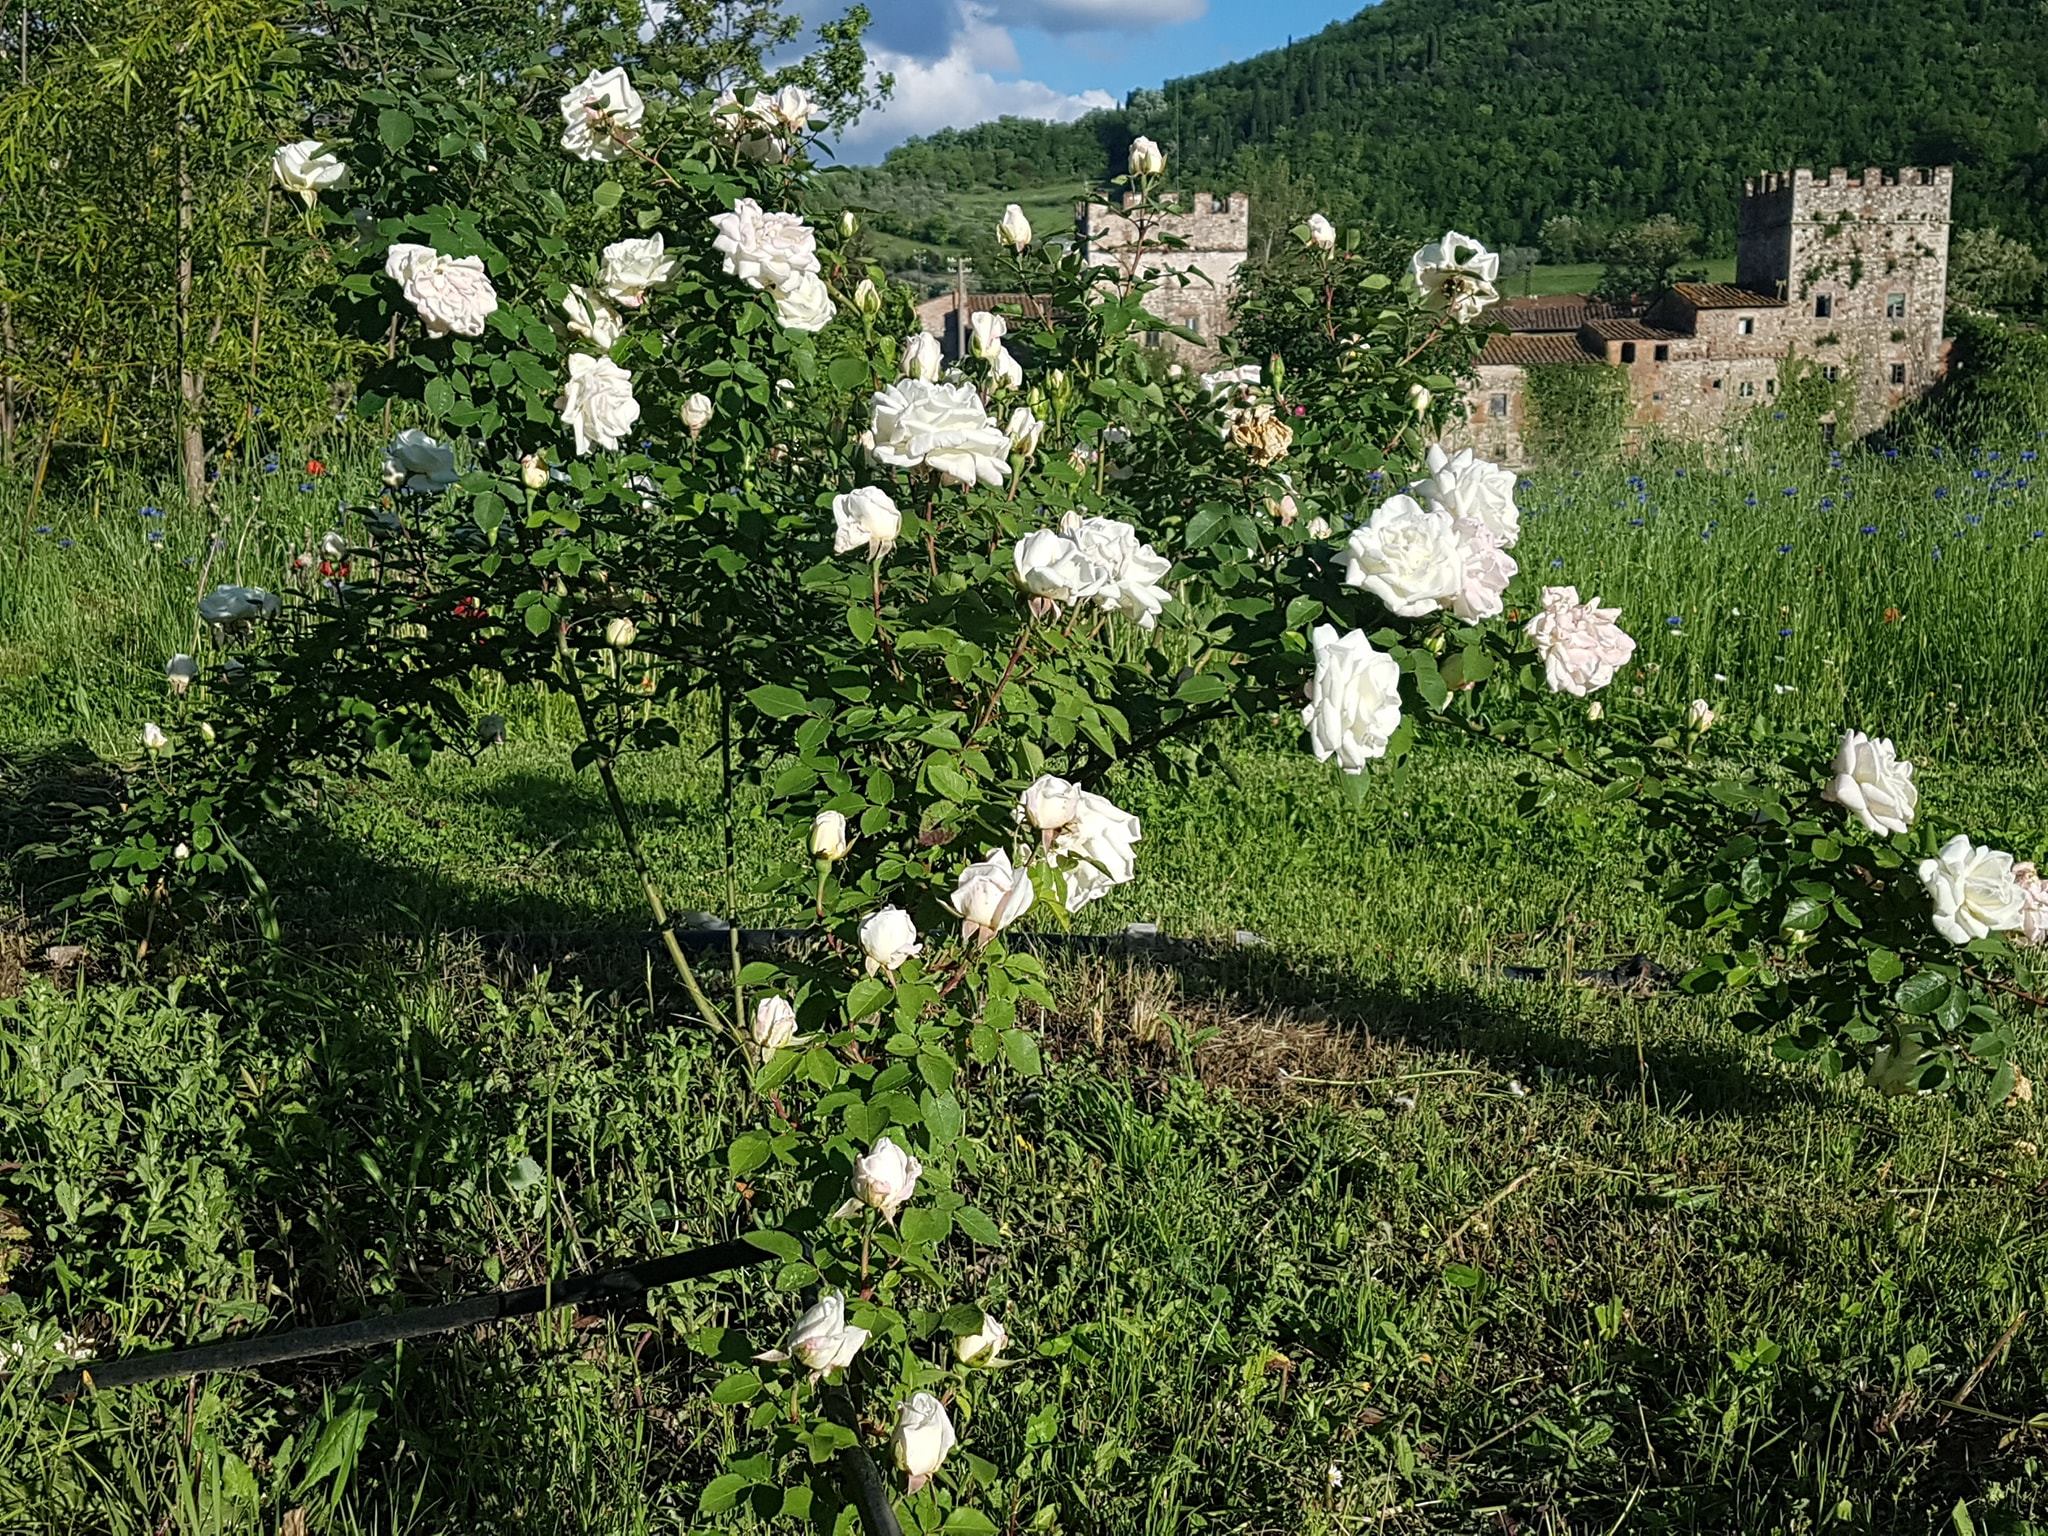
1492,115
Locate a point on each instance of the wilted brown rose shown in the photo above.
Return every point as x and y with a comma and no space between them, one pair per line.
1262,435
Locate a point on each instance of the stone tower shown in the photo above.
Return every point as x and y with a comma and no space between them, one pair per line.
1862,265
1217,234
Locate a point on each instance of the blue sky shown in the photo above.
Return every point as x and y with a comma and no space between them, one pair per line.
958,62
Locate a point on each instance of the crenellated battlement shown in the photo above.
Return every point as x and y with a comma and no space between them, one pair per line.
1771,182
1203,220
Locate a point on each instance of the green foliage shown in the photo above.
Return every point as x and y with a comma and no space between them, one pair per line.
1990,271
1577,411
1642,260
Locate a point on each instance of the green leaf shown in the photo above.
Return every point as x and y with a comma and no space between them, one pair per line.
778,702
1805,913
781,1244
962,1521
1022,1051
740,1387
607,195
925,1227
747,1153
722,1493
1883,966
395,128
948,780
848,373
977,1225
1922,993
866,996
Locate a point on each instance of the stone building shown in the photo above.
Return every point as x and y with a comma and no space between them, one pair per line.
1848,274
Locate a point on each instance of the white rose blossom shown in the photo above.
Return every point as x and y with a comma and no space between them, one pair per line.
829,838
1872,783
821,1339
1700,715
885,1181
1973,891
451,294
887,939
1051,568
924,1436
1354,704
1465,485
1419,399
333,545
792,109
696,413
1322,234
1456,275
865,518
2033,927
179,672
597,402
987,330
941,427
1096,851
867,298
989,896
1024,430
1131,571
764,250
1049,803
308,168
1580,644
751,126
153,738
416,462
620,633
774,1027
1488,570
597,112
803,304
592,318
630,268
1005,372
1145,158
922,359
1408,556
984,1346
1013,229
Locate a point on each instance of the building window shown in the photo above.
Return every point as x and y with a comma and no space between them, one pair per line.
1628,351
1717,383
1832,374
1663,353
1823,306
1770,386
1895,306
1746,326
1898,373
1746,389
1497,407
1656,394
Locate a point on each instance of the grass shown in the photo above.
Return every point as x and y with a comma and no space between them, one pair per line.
1508,1255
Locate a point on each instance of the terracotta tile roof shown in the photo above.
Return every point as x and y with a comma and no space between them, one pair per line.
1525,349
1025,303
1723,296
1556,312
1631,330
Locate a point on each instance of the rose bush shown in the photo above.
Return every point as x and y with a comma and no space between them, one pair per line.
660,418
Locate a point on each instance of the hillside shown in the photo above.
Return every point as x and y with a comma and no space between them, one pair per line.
1492,115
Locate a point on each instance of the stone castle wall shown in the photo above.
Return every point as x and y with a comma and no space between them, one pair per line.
1216,232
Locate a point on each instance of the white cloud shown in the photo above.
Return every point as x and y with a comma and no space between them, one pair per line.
958,90
1095,15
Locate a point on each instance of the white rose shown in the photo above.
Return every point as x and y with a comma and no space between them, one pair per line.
182,852
802,304
696,413
180,671
333,545
1132,571
1973,891
630,268
764,250
1049,803
533,471
1700,715
1146,158
1319,528
884,1180
1466,485
1488,570
1456,275
821,1338
865,518
942,427
1024,431
1580,644
591,111
1354,703
922,358
1872,784
154,739
750,127
452,294
887,939
792,107
1005,372
2033,928
849,223
1420,399
620,633
1322,234
1225,382
597,402
1014,230
829,839
308,169
1096,851
924,1435
990,896
984,1346
206,726
774,1027
867,298
416,462
1050,566
1407,556
592,318
988,330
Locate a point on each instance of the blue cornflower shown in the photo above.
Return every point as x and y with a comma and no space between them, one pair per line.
305,486
1937,551
1777,415
1784,549
1706,533
1635,522
187,561
2027,455
270,466
1785,633
2041,533
1891,453
1557,563
1993,454
151,512
1941,493
1791,490
1674,621
1868,529
155,537
1973,518
1827,503
44,528
1980,474
1678,474
1749,500
65,543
